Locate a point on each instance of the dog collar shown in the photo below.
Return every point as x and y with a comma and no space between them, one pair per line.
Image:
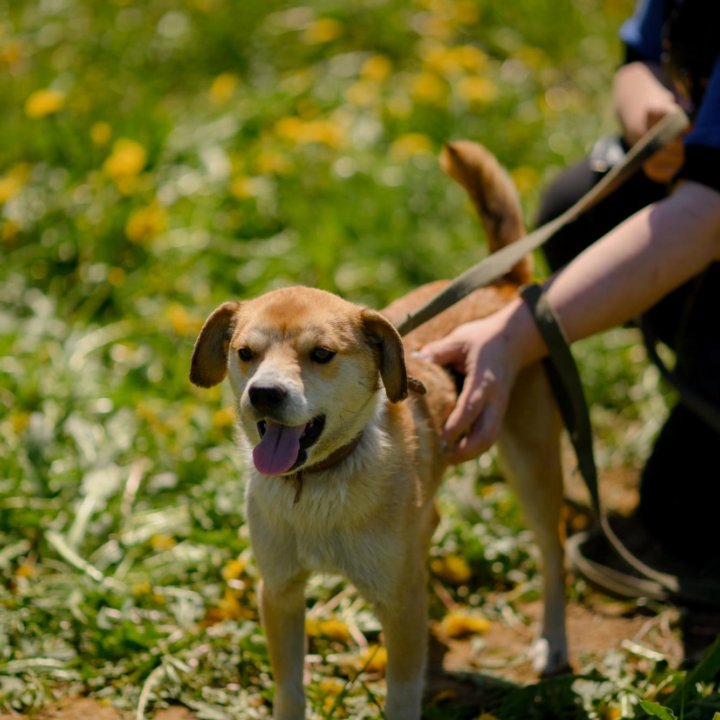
330,462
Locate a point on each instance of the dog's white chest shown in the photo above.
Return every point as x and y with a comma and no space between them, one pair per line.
324,532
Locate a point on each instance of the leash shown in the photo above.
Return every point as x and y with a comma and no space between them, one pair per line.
567,388
565,380
500,262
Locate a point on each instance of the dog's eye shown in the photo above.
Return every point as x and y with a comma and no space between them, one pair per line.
245,354
321,355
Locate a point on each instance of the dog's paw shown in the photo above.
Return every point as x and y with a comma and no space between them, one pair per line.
549,657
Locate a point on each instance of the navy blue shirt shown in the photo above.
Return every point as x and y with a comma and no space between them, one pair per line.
643,36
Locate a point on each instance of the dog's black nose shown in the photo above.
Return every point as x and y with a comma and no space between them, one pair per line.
267,397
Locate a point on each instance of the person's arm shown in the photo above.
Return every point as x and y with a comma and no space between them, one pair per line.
620,276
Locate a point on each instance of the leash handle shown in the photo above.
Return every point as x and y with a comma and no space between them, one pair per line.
657,137
500,262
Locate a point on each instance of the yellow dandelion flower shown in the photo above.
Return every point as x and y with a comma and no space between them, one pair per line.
289,128
322,30
181,321
242,187
362,94
9,231
223,418
451,568
11,54
233,569
410,144
324,132
477,90
100,133
440,59
272,162
373,659
146,224
486,716
229,608
223,88
13,181
331,686
126,160
309,131
331,629
139,589
459,623
160,542
44,102
25,570
376,69
428,88
470,58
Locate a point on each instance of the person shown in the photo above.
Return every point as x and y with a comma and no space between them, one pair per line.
650,250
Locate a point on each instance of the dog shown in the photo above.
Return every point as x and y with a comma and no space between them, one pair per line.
341,423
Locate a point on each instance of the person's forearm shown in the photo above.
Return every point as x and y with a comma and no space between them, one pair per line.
627,271
638,263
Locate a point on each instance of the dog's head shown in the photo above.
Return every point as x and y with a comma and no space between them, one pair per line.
305,367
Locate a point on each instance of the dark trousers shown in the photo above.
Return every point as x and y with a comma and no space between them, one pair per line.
680,484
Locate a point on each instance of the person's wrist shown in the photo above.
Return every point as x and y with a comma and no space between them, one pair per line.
521,334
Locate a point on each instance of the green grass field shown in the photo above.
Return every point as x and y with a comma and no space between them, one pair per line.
160,157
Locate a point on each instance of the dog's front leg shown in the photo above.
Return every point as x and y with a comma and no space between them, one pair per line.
404,622
283,616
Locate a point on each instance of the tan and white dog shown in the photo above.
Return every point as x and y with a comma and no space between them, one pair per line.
344,453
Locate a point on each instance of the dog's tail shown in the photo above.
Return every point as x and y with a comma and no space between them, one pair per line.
492,192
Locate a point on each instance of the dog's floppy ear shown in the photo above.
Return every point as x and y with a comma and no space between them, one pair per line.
208,366
385,339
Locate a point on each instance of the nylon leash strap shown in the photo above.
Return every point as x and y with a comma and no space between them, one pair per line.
499,263
566,385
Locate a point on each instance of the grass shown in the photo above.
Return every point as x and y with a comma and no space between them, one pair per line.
161,157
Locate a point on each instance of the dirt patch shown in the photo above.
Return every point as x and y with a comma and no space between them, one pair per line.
74,708
592,633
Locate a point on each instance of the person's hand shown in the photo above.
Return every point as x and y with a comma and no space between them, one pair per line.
483,352
642,99
666,162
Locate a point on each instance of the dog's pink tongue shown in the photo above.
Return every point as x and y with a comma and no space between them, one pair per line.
278,449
